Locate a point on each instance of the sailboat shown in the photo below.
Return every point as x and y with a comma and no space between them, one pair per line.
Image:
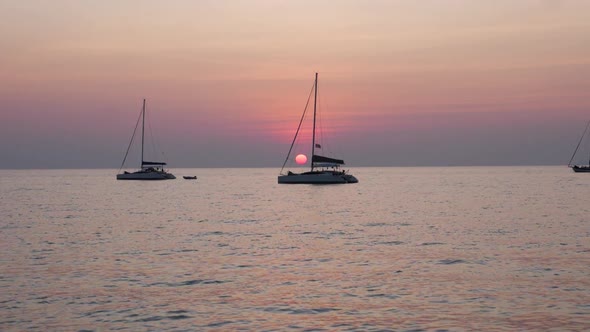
324,170
149,170
581,168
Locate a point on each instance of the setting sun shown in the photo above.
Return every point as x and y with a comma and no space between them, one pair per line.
301,159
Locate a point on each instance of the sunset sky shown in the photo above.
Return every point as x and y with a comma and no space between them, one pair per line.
402,83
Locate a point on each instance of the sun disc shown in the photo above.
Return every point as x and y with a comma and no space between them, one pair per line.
301,159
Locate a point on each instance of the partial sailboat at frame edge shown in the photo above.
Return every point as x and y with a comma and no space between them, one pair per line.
324,170
581,168
149,170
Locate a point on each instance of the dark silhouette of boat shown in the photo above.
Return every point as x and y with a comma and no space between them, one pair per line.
149,170
324,170
581,168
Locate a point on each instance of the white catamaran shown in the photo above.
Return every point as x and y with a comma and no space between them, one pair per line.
581,168
149,170
324,170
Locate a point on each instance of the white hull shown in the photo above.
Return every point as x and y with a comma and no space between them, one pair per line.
324,177
146,176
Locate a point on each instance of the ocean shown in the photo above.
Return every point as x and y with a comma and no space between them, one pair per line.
405,249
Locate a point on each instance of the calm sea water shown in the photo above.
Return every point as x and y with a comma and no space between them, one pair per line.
420,249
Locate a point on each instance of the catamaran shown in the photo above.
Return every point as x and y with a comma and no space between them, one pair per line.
149,170
324,170
581,168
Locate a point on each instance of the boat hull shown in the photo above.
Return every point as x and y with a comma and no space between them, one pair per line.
317,178
146,176
581,169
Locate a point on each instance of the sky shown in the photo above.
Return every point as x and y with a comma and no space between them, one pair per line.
402,83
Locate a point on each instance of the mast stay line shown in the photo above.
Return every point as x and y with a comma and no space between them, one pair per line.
580,142
299,127
131,142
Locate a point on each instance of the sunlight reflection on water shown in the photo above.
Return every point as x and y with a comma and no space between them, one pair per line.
501,248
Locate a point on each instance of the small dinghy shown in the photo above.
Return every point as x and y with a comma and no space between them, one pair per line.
190,177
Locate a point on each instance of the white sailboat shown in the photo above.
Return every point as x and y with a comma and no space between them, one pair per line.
149,170
324,170
581,168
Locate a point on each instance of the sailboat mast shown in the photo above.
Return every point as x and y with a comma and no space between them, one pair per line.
315,99
142,130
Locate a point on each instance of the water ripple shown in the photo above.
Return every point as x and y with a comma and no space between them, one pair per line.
187,283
